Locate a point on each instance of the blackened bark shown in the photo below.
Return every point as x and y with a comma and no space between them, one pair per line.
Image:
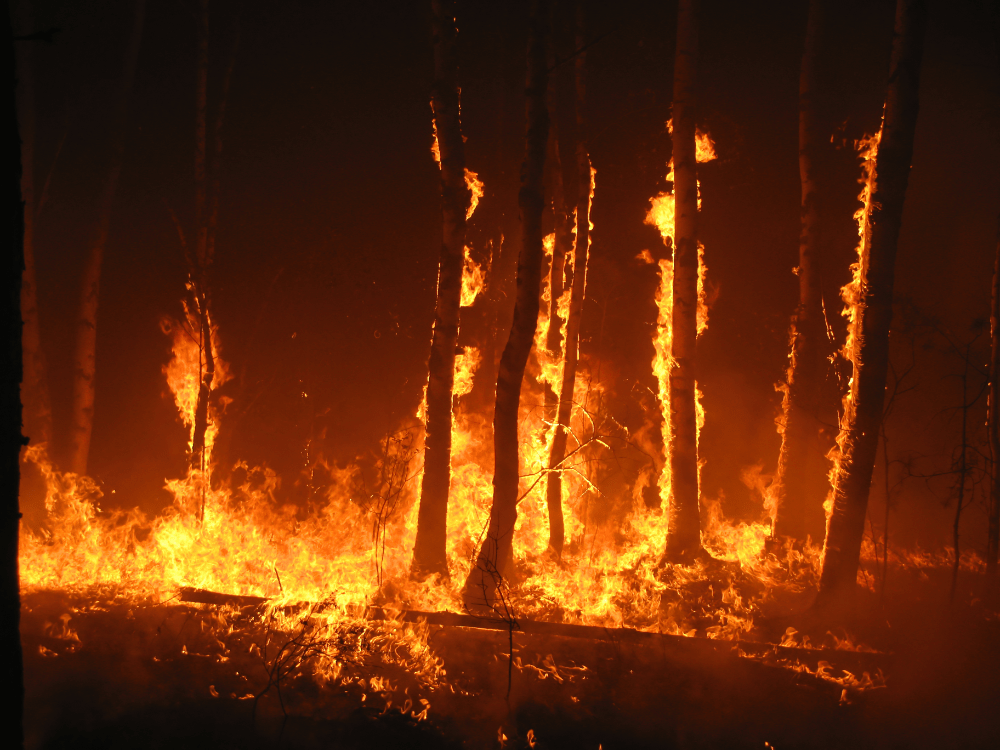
11,440
429,552
797,489
863,415
85,352
684,530
496,551
571,352
993,425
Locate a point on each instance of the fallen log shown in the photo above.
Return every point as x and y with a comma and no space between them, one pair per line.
855,662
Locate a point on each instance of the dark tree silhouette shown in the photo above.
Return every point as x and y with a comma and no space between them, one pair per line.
868,347
85,352
797,489
684,531
571,351
11,439
496,550
429,551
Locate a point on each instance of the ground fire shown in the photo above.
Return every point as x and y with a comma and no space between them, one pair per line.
486,375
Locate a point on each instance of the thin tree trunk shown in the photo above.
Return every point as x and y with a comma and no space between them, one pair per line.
38,409
496,551
798,508
429,552
553,333
199,275
684,530
872,314
571,352
962,470
11,440
993,425
86,333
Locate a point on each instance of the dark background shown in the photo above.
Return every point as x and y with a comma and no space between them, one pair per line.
329,225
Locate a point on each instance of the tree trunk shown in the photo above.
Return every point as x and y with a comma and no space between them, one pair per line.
993,425
684,530
86,332
35,390
429,552
202,260
496,551
797,490
868,346
11,440
571,352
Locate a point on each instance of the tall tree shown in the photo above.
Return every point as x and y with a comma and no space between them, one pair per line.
993,424
871,316
429,551
496,550
797,489
35,390
571,351
84,355
684,530
11,439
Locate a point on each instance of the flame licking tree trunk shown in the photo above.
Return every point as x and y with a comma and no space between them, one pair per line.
429,553
497,548
571,350
801,470
84,356
872,313
684,530
11,440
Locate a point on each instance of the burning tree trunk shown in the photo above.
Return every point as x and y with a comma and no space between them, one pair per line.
800,462
684,530
571,351
86,332
11,439
993,426
496,550
871,315
429,553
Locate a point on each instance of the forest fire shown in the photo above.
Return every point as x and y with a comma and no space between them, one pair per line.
474,468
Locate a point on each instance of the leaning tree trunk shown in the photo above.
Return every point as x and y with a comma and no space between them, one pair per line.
38,408
86,332
993,425
11,440
684,530
796,490
872,312
496,551
429,551
571,351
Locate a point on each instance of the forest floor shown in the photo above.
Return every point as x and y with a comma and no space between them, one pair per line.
105,672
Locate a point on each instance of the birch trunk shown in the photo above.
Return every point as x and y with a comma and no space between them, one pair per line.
684,530
873,312
571,351
84,355
429,552
496,551
797,490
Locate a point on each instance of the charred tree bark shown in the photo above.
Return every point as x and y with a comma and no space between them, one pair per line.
496,551
684,530
993,426
798,502
11,661
571,350
86,333
429,552
873,313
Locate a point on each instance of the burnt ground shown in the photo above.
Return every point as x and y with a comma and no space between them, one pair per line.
108,674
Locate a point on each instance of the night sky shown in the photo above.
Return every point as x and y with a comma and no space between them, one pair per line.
329,227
